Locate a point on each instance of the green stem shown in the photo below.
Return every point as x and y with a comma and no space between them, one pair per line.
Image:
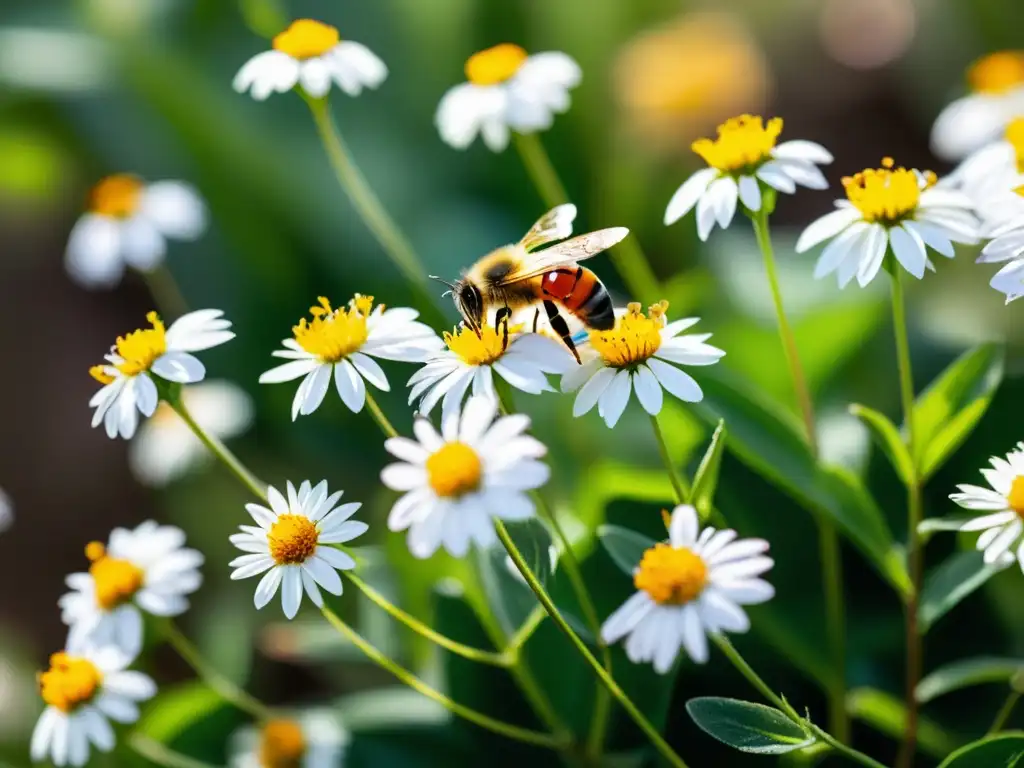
679,485
526,630
165,292
379,417
159,754
1004,712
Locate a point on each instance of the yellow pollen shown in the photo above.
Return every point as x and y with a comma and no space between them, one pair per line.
495,65
116,581
635,337
116,196
997,73
292,539
887,194
1015,136
306,38
69,682
99,372
743,143
454,469
333,334
479,350
671,575
138,350
1015,497
282,744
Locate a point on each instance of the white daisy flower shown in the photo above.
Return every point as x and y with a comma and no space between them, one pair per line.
345,341
143,358
508,89
988,175
128,223
687,588
743,161
889,208
85,688
146,569
6,511
1002,507
292,543
1005,226
166,448
311,54
314,739
637,355
455,482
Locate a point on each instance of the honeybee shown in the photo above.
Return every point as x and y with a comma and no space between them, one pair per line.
519,276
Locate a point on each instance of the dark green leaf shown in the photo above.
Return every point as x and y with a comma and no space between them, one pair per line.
888,437
624,547
887,714
967,672
748,727
176,709
1004,750
509,596
705,481
950,583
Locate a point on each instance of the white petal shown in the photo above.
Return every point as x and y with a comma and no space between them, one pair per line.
874,245
316,390
774,175
293,370
909,250
323,573
836,252
174,208
179,367
676,381
94,257
315,77
371,371
694,639
750,193
688,194
626,617
268,587
350,386
592,390
723,193
648,390
291,590
828,226
615,397
805,151
142,245
684,526
932,236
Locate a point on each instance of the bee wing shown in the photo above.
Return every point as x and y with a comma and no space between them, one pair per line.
567,253
554,225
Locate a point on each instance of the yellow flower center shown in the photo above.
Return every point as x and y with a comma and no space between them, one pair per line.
282,744
997,73
138,350
116,196
671,575
635,337
479,350
1015,136
743,143
1015,498
116,581
495,65
306,38
292,539
333,334
454,469
886,194
69,682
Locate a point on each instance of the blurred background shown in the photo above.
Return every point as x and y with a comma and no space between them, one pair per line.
93,87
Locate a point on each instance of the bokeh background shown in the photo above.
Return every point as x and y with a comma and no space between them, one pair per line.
94,87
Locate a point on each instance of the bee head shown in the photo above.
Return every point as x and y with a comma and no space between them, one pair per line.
468,301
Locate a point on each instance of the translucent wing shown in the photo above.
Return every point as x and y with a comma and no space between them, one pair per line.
554,225
565,254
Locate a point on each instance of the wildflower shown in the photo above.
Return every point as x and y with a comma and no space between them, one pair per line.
128,223
993,171
137,361
636,354
291,543
1007,245
506,89
742,159
1002,507
689,587
313,739
479,467
889,207
310,54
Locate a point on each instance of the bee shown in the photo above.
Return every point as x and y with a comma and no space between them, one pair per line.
519,276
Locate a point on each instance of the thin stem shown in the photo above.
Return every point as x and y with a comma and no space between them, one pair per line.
679,485
165,291
378,416
1004,712
526,630
159,754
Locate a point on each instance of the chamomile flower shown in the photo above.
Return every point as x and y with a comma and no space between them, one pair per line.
455,482
742,162
689,587
291,541
145,569
313,739
507,90
889,208
1007,245
638,354
1001,507
84,689
988,175
139,359
313,55
128,223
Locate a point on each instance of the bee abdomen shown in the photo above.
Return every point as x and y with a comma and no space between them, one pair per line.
591,302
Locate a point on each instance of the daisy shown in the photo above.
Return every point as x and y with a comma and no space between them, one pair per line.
342,341
84,689
140,361
291,542
1002,507
988,175
453,483
743,162
636,354
166,448
310,54
146,569
689,587
508,89
315,739
889,208
128,223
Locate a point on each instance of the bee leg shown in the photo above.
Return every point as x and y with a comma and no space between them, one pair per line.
536,319
501,322
560,327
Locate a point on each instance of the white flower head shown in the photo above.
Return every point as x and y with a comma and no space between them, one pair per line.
128,223
889,208
989,175
166,448
313,55
344,342
455,482
689,587
507,90
640,353
138,357
1006,230
145,569
742,161
1001,507
84,689
291,542
312,739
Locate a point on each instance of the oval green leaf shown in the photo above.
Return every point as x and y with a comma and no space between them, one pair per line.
624,547
950,583
1004,750
967,672
705,481
748,727
888,437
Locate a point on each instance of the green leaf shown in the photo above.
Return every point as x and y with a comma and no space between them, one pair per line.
705,481
748,727
950,583
624,547
888,437
175,709
887,714
966,672
951,406
1004,750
